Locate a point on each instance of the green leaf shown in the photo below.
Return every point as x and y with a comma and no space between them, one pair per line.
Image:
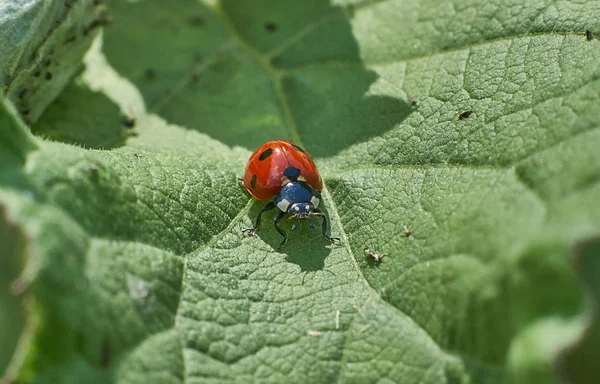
42,46
458,140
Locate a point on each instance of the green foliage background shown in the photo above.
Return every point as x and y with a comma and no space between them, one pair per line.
123,259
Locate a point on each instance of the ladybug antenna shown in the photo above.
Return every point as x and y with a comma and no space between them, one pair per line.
291,173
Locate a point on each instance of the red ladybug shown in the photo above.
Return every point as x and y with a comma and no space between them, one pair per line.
264,175
283,171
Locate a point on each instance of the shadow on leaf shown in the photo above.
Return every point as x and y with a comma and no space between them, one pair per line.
254,71
305,246
86,118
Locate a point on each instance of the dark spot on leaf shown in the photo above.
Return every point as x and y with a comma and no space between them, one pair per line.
149,74
21,93
253,182
588,35
194,77
97,2
271,27
48,76
7,79
71,39
105,354
94,170
196,20
37,73
413,102
138,155
129,122
25,111
267,152
46,62
297,148
99,22
465,115
68,5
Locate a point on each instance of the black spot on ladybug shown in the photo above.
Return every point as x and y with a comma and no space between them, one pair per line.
291,173
265,154
305,157
21,93
297,148
253,182
271,27
149,74
465,115
588,35
48,76
196,21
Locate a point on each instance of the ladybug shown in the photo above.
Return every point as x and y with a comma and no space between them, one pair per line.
284,172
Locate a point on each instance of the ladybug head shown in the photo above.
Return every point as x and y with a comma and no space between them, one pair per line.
302,210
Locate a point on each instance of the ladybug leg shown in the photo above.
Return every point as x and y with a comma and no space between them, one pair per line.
276,221
324,226
253,230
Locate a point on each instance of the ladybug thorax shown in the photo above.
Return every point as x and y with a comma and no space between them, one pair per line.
298,198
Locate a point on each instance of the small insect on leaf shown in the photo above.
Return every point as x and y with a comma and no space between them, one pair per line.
589,35
376,256
465,115
407,231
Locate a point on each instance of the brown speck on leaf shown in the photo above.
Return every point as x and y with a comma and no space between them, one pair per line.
196,20
465,115
271,27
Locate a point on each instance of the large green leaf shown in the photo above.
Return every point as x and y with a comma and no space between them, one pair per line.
460,139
